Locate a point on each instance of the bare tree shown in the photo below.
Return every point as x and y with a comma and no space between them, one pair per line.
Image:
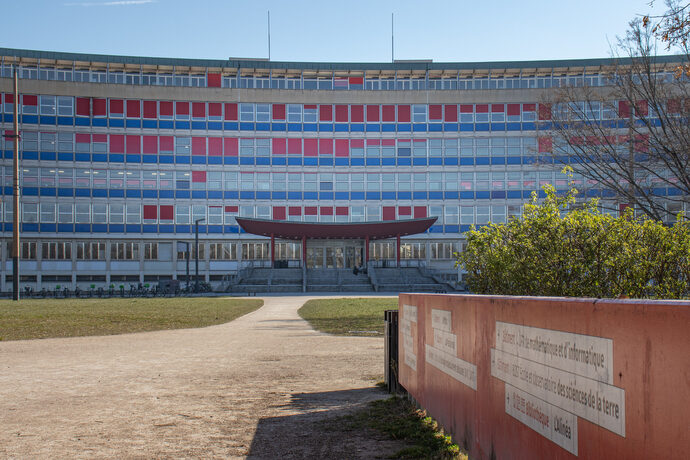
631,133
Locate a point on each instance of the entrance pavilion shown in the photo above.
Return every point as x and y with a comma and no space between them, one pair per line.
339,245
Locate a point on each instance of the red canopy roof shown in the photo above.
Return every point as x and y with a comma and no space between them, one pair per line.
319,230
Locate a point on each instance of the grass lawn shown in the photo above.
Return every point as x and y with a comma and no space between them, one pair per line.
363,316
43,318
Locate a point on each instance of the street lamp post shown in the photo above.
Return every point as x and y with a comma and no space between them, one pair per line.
196,255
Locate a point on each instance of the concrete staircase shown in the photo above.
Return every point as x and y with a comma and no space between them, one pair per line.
337,280
406,279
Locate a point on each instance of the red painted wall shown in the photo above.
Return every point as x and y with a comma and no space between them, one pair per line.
648,368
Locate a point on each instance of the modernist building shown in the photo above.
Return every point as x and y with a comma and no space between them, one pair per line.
121,156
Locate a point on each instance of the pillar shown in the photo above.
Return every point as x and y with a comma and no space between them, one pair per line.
273,250
397,248
304,251
366,251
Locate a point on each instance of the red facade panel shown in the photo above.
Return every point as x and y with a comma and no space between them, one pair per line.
198,110
389,213
356,80
388,113
150,211
325,146
545,144
99,107
544,111
325,113
373,113
29,99
513,109
497,108
404,113
215,146
167,144
198,146
450,113
295,211
231,112
326,210
231,208
279,212
181,108
133,144
213,80
310,210
342,148
133,108
404,211
81,138
83,106
482,108
198,176
117,143
150,144
311,147
215,109
419,212
279,146
357,113
341,114
116,106
294,146
466,108
150,109
279,112
166,108
166,212
230,147
435,111
341,210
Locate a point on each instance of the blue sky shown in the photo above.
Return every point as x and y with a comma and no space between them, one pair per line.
344,31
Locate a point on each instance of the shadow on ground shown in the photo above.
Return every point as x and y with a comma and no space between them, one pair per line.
319,429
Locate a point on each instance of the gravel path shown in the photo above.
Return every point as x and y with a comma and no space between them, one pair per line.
264,386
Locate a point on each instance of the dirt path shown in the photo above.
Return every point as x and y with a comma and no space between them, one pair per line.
263,386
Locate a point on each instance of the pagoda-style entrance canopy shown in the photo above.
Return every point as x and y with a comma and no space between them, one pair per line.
367,231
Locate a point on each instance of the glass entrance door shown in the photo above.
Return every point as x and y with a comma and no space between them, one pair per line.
314,257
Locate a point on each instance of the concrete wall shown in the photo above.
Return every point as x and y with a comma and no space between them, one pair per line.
528,377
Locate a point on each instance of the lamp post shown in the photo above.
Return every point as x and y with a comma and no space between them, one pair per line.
196,253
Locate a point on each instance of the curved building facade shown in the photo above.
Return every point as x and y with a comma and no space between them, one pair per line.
121,156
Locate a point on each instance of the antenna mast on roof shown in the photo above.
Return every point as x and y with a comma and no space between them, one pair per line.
269,35
392,41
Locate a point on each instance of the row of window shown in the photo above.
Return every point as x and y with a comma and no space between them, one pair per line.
247,146
399,81
297,181
130,250
136,213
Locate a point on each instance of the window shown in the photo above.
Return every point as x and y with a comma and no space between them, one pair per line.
263,112
56,250
182,179
246,112
182,214
87,250
150,251
65,106
65,211
30,212
294,113
182,145
28,249
222,251
99,214
413,251
47,212
419,113
47,105
215,215
117,213
124,251
133,213
255,251
288,251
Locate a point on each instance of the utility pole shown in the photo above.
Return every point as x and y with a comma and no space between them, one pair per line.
15,194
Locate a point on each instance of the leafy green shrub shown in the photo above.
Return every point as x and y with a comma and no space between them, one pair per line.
558,249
